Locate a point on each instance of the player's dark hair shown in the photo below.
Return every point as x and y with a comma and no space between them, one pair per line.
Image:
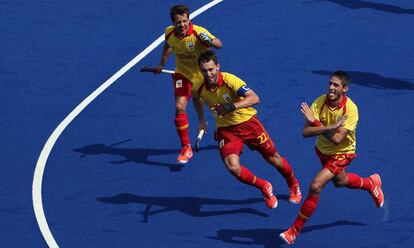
343,76
179,10
206,56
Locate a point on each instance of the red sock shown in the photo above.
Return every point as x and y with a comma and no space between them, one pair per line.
356,182
287,173
181,123
306,211
248,177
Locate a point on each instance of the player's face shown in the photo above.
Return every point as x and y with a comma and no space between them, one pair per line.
210,72
336,90
181,24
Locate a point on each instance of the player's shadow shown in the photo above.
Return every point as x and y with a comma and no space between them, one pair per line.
359,4
373,80
137,155
187,205
269,238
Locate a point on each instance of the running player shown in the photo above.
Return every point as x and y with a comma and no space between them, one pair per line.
333,118
186,40
231,101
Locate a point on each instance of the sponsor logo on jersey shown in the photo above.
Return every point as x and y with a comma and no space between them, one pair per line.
190,46
227,98
187,55
179,83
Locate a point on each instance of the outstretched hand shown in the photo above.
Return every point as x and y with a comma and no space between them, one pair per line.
307,112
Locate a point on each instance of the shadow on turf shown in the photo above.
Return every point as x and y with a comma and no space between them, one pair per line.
137,155
187,205
373,80
269,238
358,4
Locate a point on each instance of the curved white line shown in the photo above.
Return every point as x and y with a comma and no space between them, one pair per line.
47,148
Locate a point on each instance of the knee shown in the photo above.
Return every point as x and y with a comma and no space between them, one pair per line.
315,188
340,183
233,167
180,108
275,160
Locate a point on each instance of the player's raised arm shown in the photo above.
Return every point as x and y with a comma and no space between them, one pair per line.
313,127
210,41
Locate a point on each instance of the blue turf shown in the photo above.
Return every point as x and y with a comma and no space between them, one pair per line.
111,180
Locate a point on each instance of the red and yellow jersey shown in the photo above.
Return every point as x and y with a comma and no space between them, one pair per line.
226,92
328,115
186,51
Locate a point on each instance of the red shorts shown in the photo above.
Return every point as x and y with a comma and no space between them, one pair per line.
182,85
251,133
335,163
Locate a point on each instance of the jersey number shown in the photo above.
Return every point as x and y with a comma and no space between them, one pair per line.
262,138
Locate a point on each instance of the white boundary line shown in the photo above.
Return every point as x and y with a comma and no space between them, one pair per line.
47,148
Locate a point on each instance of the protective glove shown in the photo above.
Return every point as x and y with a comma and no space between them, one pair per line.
205,38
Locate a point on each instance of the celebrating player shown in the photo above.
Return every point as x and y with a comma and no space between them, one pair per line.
186,40
231,101
333,118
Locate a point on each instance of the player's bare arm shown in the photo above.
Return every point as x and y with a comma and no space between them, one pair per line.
329,131
216,43
198,106
311,131
312,126
166,51
338,135
307,112
250,99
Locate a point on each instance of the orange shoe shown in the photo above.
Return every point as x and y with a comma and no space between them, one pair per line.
295,194
185,154
289,236
376,191
269,197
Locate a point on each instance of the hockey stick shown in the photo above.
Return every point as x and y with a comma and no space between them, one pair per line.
152,69
199,137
